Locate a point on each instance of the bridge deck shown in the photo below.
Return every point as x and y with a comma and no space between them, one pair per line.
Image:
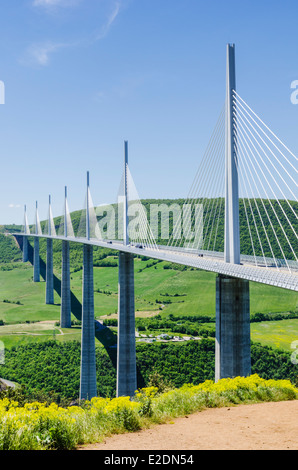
273,276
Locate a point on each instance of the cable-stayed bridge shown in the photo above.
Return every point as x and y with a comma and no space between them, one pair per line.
239,220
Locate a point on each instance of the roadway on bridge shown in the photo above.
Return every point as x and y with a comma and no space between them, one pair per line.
273,276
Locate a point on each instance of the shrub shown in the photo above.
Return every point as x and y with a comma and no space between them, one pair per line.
37,425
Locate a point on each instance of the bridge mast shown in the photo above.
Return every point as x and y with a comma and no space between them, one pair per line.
36,260
88,386
126,342
232,237
232,345
25,239
87,209
49,264
125,202
65,311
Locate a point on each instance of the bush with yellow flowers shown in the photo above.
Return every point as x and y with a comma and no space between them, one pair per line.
38,426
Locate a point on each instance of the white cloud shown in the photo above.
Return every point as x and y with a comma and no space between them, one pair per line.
110,20
55,3
40,53
46,2
14,206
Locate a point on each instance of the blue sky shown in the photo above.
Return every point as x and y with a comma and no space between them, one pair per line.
82,76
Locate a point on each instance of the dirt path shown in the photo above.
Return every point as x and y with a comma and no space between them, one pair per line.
263,426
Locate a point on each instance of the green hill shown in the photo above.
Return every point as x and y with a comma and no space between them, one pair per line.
261,215
46,358
189,291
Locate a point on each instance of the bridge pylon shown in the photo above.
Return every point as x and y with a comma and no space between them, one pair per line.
65,312
232,350
126,345
25,238
88,386
36,259
232,231
49,263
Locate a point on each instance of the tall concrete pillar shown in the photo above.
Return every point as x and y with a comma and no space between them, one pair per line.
126,348
49,264
232,350
49,273
232,347
36,261
25,249
125,201
232,233
65,313
25,239
88,387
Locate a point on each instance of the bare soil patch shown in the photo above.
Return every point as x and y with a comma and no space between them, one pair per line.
262,426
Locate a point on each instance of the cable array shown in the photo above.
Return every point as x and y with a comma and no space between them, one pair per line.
37,226
65,226
201,227
268,201
94,229
49,227
267,172
139,229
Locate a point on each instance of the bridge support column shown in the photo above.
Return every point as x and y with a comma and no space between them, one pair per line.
65,314
88,388
232,350
126,350
25,250
49,273
36,261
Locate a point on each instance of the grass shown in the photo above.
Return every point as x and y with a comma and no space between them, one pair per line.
17,286
195,289
26,333
36,426
277,334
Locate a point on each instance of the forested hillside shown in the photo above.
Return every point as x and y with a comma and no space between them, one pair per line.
261,217
54,368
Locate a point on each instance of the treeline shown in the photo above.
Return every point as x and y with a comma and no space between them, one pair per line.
9,250
192,325
188,325
265,218
261,215
258,317
52,369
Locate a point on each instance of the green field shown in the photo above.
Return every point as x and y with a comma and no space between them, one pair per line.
157,290
190,292
277,334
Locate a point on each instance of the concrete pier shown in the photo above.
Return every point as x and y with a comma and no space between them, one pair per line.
25,249
36,261
232,347
49,273
88,388
25,239
232,232
65,313
126,348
